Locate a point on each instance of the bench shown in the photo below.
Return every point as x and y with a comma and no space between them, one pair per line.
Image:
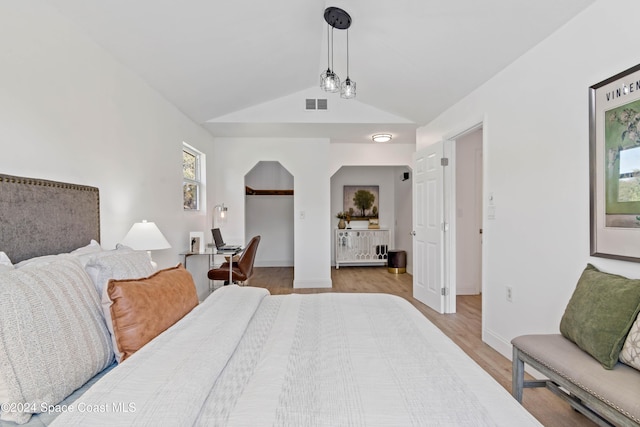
607,397
594,363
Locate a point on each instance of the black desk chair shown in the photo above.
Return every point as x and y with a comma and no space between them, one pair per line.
241,270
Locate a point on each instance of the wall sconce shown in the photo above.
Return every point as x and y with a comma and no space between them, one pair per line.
221,214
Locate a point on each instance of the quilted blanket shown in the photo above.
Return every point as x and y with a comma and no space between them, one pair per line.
246,358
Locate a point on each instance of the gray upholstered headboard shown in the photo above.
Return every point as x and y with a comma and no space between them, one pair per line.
39,217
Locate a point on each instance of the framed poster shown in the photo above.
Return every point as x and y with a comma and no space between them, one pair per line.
614,138
196,242
361,201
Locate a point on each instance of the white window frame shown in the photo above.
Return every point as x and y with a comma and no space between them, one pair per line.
198,179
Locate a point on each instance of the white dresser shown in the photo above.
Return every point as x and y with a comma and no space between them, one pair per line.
363,246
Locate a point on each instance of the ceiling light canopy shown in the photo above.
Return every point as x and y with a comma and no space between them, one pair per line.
337,18
381,137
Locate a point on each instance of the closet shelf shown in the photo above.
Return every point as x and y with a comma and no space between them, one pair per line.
253,192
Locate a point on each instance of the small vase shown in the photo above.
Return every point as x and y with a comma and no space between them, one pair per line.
341,224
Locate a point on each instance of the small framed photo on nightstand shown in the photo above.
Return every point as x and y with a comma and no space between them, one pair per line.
196,241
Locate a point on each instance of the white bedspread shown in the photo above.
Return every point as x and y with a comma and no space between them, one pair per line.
243,358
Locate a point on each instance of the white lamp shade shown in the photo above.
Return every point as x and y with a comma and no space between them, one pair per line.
145,236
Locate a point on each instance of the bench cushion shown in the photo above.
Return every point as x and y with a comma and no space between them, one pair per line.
618,387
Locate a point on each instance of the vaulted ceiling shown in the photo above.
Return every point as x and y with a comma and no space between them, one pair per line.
245,67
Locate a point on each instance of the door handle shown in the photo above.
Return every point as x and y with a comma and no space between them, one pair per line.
413,233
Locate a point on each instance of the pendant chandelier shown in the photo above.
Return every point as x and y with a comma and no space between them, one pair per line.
337,18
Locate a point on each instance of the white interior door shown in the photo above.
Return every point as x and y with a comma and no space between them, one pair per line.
429,225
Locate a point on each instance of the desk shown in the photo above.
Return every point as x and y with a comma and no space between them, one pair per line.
211,253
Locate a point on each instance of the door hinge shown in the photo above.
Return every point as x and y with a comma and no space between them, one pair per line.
444,291
444,226
444,161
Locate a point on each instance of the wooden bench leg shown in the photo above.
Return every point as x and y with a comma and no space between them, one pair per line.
517,376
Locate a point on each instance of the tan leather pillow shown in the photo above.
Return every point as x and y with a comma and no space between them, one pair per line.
142,309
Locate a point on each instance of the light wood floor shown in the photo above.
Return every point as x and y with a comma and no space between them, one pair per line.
464,328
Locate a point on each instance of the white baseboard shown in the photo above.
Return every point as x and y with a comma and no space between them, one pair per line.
504,347
497,342
466,292
317,283
273,263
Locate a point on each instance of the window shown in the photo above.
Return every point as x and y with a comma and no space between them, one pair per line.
191,178
629,183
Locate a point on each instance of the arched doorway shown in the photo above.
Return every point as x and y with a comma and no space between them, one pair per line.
269,212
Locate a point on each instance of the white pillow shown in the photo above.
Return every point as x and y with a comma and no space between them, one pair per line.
121,263
56,312
83,254
5,262
91,248
630,353
40,260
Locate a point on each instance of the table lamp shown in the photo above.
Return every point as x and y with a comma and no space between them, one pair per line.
146,236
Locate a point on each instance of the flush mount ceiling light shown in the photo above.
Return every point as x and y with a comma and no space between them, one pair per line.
336,18
381,137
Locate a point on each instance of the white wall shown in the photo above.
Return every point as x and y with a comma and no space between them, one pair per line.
381,176
468,221
268,175
403,196
536,163
388,154
270,216
70,112
395,204
308,161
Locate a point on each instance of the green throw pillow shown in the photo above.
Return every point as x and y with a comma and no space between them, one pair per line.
600,312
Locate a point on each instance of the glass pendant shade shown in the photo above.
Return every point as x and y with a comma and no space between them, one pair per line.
220,215
329,81
348,89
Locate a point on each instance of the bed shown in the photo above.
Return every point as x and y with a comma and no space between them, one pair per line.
243,357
